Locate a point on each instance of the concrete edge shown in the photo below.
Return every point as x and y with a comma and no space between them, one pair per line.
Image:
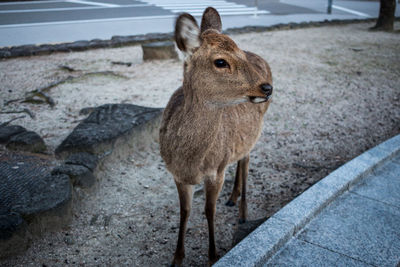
270,236
119,41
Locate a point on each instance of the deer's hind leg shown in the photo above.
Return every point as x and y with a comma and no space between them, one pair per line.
239,188
236,187
185,199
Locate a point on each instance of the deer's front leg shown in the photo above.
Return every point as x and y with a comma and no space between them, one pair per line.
212,188
244,168
185,199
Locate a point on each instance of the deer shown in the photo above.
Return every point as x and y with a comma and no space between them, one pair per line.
212,120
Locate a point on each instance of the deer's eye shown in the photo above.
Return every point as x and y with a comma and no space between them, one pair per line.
221,63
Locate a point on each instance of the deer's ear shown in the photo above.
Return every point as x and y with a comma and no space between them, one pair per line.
187,33
211,20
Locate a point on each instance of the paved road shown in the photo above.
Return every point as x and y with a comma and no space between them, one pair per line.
54,21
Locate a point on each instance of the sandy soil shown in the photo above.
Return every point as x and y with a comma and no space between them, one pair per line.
337,93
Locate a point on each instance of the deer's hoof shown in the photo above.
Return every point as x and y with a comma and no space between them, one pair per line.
242,221
213,260
230,203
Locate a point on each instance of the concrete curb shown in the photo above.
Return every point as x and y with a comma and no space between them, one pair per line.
269,237
118,41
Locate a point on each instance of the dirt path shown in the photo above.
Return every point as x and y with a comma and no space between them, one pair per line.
337,93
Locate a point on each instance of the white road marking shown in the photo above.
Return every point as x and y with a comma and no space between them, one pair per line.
65,8
197,7
351,11
92,3
86,21
232,13
202,5
176,6
31,2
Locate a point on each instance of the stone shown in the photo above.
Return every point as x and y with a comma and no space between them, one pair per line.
27,141
358,227
24,50
304,207
86,111
391,144
6,132
69,240
48,193
63,47
97,43
159,50
107,125
32,200
79,175
4,53
83,158
300,253
383,185
78,45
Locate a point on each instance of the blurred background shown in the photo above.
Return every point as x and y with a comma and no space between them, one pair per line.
58,21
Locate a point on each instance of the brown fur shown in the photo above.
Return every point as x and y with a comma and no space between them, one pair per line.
209,122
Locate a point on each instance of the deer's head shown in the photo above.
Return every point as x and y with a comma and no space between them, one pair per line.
216,70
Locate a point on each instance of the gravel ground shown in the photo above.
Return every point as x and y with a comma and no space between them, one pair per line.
337,94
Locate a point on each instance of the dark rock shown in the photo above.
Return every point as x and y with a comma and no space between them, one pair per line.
61,47
83,158
27,141
86,111
135,39
6,132
49,193
69,240
31,200
78,45
97,43
43,50
4,53
98,133
24,50
119,40
79,175
244,229
159,50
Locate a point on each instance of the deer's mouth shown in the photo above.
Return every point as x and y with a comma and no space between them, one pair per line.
258,99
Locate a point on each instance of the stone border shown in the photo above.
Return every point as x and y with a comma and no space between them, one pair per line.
119,41
270,236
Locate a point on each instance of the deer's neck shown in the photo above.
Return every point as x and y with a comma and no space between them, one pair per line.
201,124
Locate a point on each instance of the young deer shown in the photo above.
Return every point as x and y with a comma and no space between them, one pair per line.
214,119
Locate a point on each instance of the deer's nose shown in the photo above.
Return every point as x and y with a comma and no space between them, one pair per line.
266,88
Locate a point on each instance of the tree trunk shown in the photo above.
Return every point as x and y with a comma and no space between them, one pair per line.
386,16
